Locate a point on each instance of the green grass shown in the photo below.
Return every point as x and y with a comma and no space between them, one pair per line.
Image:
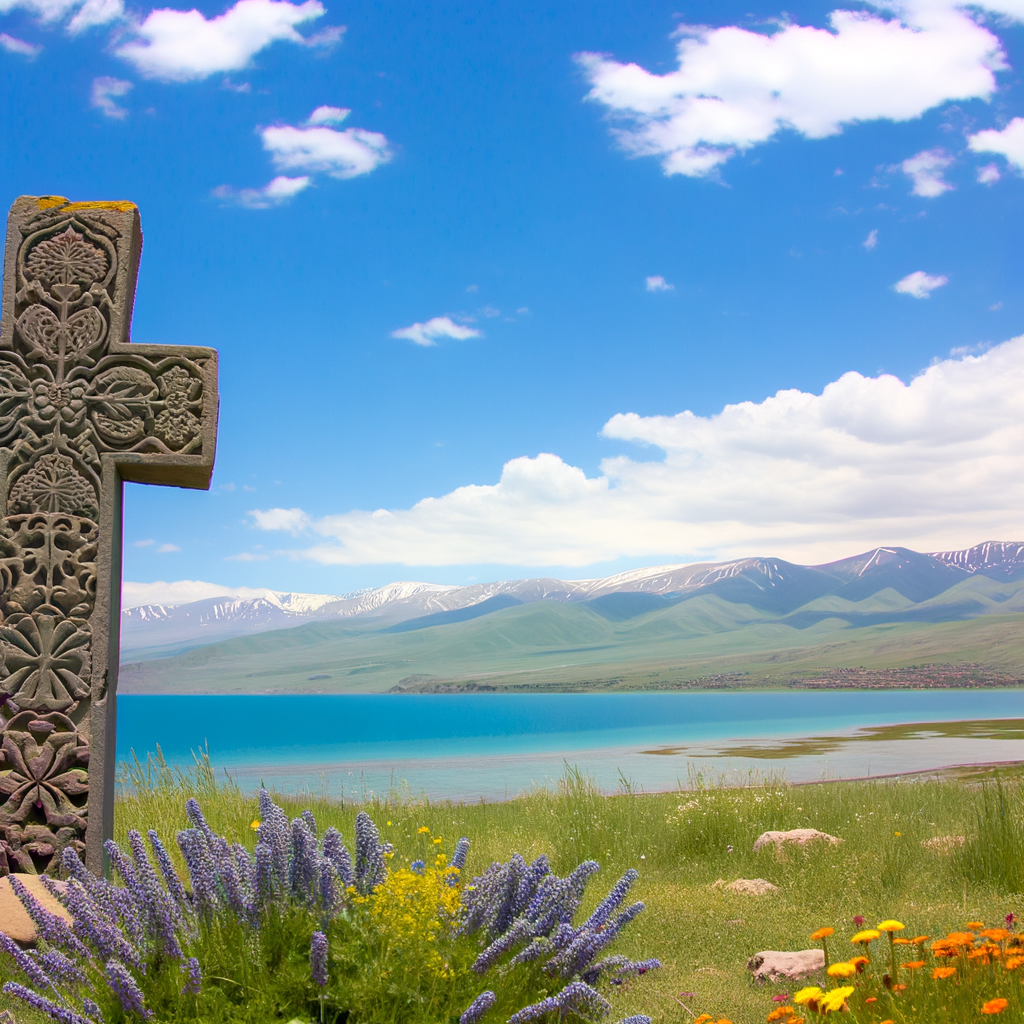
680,841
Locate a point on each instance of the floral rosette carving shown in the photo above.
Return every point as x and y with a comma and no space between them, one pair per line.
44,782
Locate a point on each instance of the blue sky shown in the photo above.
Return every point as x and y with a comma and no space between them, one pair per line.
538,239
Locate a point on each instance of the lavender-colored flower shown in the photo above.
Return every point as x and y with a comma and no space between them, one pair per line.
51,927
62,967
161,911
417,867
274,831
227,875
519,932
535,1010
264,875
370,865
303,870
201,871
618,892
39,1002
171,879
193,977
195,815
328,890
478,1008
636,1018
618,969
459,857
127,990
28,965
318,959
89,1007
579,998
94,927
335,852
310,820
527,889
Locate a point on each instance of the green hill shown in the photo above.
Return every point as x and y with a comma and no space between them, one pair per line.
705,640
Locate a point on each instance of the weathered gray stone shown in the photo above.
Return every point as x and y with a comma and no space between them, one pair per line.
796,836
81,410
747,886
775,965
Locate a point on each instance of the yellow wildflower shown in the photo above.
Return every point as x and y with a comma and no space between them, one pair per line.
842,970
423,830
866,936
891,926
438,840
832,1002
805,995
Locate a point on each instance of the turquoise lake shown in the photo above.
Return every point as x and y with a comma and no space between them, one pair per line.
491,746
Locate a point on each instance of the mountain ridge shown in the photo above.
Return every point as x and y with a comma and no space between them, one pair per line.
770,585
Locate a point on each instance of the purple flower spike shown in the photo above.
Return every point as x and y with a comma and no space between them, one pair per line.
335,852
637,1018
29,967
171,879
318,959
193,977
459,857
127,990
478,1008
89,1007
51,927
42,1003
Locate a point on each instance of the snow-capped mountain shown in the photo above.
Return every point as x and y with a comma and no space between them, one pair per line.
770,584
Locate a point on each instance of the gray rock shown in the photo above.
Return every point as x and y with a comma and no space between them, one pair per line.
797,836
775,965
747,886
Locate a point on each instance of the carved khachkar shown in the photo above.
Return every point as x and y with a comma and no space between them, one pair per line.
81,410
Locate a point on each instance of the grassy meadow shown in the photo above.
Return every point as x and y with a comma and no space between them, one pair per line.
682,842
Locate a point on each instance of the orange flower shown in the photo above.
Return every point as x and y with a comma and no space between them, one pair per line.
859,962
995,934
899,988
943,972
702,1019
822,933
782,1011
913,965
995,1006
975,924
919,940
871,999
1013,962
943,948
902,942
961,938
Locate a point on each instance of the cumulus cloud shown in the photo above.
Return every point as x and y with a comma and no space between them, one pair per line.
96,12
872,240
659,284
919,284
735,88
925,171
988,175
274,193
1008,143
167,549
341,154
328,115
13,45
106,92
429,331
181,46
182,592
292,520
934,463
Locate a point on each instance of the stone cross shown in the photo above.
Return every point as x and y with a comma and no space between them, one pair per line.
81,410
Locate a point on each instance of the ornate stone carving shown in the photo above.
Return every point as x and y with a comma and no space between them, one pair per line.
80,410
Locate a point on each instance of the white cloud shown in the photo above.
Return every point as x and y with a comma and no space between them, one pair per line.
934,463
18,46
925,171
919,284
429,331
293,520
44,10
246,556
328,115
167,549
180,46
274,193
345,154
988,175
659,284
1009,142
736,88
96,12
105,93
872,240
181,592
143,543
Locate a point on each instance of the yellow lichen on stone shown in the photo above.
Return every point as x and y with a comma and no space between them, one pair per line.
49,202
114,204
